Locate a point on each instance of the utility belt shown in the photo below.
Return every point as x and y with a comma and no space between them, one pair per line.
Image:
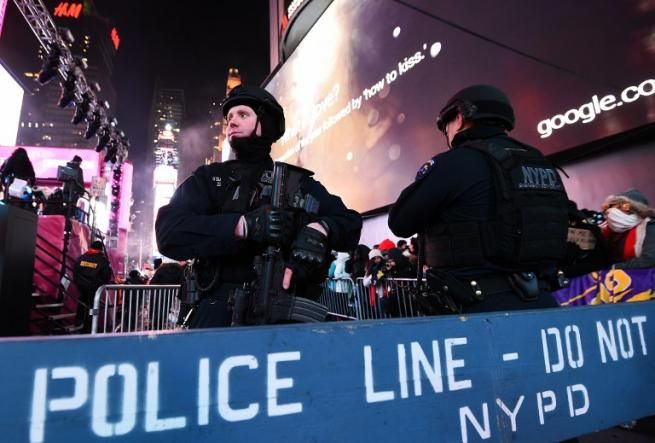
468,291
240,299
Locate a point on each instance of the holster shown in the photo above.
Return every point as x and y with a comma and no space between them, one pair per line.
525,285
240,300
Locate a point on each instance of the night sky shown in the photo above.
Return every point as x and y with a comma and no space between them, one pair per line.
187,45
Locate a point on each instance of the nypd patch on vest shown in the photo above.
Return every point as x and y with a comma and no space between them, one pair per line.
536,177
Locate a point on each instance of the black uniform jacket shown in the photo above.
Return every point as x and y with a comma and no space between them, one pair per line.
456,187
192,225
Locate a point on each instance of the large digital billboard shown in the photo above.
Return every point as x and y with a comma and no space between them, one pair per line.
362,91
11,102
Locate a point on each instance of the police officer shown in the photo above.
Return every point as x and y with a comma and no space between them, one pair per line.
220,214
491,211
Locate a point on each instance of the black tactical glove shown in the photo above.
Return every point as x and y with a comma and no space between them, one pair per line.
308,251
269,225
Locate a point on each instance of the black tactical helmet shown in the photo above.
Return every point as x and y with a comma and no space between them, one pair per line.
268,110
479,102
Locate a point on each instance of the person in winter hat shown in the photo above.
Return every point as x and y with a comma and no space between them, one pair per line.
629,230
386,244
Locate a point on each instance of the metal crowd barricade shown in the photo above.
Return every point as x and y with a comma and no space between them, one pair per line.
131,308
390,297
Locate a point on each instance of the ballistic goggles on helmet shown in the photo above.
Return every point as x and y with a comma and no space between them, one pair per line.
450,111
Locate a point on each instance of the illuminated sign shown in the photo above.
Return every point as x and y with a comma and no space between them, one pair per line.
115,39
3,7
10,106
70,10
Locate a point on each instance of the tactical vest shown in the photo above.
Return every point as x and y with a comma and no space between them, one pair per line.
233,189
528,230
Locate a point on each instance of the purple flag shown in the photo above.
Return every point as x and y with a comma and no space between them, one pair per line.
608,286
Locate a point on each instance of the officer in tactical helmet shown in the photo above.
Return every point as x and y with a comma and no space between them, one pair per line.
491,212
221,215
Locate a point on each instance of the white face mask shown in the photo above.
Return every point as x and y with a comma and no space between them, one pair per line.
619,221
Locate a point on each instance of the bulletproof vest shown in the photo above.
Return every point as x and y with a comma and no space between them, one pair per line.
235,187
529,227
239,187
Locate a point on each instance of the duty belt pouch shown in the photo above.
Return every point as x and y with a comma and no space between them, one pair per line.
525,284
239,301
447,284
189,290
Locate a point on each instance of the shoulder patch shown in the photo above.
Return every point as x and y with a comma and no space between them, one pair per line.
424,169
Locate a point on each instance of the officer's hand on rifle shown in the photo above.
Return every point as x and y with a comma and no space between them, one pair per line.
307,252
268,225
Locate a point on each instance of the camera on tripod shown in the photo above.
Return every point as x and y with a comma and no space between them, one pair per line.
66,173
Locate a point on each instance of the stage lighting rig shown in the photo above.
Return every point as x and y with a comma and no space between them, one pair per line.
70,87
99,119
60,62
51,64
104,136
84,109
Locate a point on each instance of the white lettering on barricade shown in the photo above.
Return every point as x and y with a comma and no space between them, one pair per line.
465,414
40,395
276,384
452,363
103,383
224,408
371,395
153,422
545,407
573,342
203,392
433,371
622,330
511,413
99,416
573,411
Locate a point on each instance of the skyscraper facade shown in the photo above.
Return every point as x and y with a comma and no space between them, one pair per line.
167,115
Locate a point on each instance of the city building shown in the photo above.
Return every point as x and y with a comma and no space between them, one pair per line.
43,123
166,117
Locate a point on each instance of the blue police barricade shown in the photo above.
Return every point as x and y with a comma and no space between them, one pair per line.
528,376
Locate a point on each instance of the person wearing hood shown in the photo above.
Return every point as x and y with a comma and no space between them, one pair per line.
629,230
221,215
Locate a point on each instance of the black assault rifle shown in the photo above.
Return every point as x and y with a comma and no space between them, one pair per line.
265,301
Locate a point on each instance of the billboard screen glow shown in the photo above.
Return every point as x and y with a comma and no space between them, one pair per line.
11,102
362,91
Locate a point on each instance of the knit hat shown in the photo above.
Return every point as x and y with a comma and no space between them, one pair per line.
386,244
638,202
96,245
374,253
